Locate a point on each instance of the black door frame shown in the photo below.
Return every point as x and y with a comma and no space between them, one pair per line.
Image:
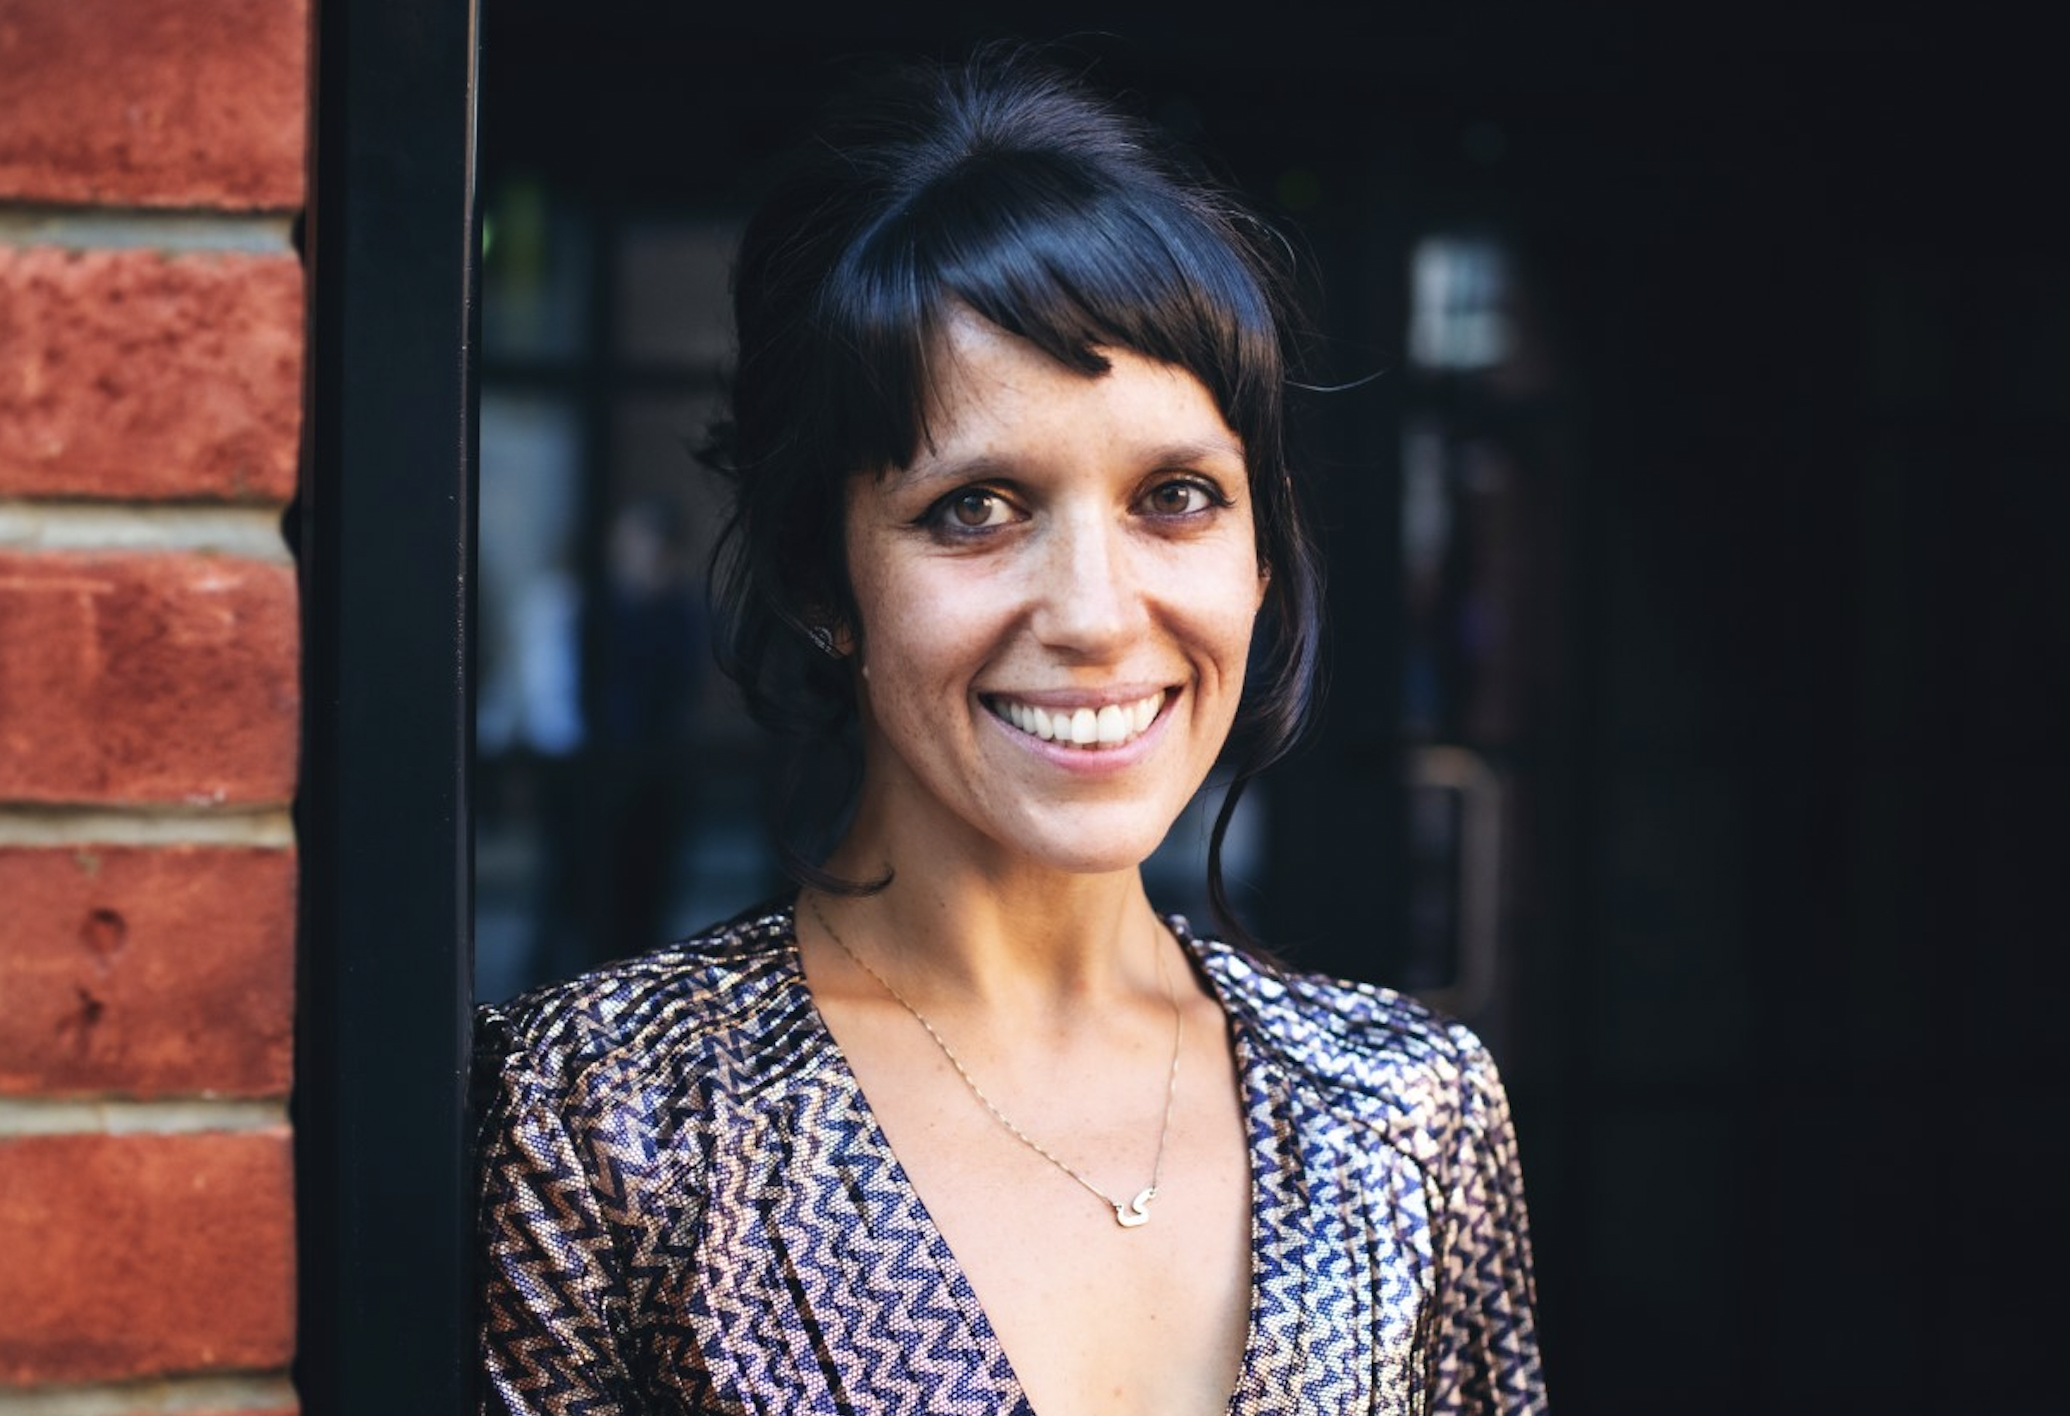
385,533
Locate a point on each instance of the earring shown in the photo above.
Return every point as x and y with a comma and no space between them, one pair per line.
823,640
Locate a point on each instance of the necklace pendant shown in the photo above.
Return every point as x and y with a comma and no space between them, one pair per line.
1136,1213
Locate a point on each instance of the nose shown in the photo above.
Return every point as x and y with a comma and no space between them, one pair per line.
1089,603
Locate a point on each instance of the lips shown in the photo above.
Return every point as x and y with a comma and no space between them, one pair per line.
1085,727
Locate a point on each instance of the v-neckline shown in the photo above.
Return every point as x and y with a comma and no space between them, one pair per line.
1258,1148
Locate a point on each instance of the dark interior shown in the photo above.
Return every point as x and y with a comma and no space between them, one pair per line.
1750,592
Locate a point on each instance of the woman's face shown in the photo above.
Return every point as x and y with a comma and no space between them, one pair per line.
1055,603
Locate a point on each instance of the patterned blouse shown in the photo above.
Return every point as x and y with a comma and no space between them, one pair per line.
687,1205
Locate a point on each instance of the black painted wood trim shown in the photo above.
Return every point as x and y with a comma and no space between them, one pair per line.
385,530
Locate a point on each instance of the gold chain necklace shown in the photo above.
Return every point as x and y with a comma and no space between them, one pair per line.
1130,1215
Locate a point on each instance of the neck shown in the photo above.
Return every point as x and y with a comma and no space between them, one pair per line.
1032,942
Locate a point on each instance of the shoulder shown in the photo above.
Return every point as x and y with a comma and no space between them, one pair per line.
690,1003
1358,1047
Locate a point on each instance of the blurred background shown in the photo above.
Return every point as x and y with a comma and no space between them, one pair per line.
1694,517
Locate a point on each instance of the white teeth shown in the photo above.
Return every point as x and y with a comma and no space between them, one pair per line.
1107,726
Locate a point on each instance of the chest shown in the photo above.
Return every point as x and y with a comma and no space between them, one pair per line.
818,1275
1147,1319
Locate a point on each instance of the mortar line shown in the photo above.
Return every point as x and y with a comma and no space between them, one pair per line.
101,1116
174,232
32,825
164,1396
250,532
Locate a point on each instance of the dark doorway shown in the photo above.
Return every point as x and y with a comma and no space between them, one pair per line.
1690,504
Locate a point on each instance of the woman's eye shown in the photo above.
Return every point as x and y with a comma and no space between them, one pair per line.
1181,499
972,510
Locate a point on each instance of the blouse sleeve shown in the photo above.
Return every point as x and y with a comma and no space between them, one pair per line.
1488,1345
551,1292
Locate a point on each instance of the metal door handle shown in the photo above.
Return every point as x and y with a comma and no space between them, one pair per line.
1479,789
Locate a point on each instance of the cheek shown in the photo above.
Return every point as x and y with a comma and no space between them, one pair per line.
1237,599
1218,633
921,625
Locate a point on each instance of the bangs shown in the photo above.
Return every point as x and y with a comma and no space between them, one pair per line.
1070,264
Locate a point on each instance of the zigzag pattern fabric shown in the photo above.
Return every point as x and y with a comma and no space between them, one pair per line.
687,1206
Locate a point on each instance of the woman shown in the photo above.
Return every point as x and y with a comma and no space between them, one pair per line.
966,1126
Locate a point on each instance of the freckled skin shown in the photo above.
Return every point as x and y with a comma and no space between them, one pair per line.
1058,533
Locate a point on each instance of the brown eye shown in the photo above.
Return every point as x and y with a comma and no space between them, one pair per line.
973,510
1179,499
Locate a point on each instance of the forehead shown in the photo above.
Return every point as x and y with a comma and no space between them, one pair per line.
989,390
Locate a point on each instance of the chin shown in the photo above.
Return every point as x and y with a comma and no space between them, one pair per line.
1089,847
1090,863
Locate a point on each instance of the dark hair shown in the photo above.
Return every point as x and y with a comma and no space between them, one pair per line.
1002,186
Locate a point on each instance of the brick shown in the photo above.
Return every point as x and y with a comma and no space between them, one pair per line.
147,679
138,1256
133,375
167,103
147,973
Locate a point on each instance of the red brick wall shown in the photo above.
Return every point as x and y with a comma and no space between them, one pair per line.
151,308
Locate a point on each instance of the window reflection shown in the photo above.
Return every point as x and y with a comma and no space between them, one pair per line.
619,788
1459,292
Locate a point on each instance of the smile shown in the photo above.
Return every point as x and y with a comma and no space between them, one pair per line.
1113,725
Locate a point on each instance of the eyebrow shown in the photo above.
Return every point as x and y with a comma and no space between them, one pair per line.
984,467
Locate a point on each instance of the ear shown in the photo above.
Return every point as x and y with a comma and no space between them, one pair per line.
831,637
824,629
